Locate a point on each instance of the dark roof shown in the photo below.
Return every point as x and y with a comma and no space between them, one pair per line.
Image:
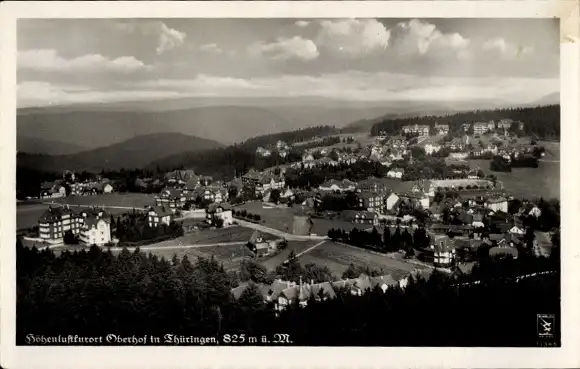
345,183
93,220
55,214
47,185
503,251
326,289
172,192
277,287
237,291
255,236
383,279
192,183
213,207
182,175
443,244
161,210
252,174
93,211
465,217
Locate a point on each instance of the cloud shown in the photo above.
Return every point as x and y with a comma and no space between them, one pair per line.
417,37
211,48
352,37
48,60
39,93
362,86
302,23
286,49
506,49
167,38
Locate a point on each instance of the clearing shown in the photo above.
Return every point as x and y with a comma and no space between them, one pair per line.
338,257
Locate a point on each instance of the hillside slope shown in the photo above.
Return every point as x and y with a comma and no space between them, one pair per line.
133,153
92,129
36,145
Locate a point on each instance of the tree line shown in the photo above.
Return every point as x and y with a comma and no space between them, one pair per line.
133,293
541,121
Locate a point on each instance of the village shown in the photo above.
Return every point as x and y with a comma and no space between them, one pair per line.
400,205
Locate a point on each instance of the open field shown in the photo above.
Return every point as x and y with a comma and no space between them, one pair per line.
125,199
298,246
529,183
338,257
280,218
207,236
230,255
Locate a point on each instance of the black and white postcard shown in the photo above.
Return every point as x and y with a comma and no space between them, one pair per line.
290,184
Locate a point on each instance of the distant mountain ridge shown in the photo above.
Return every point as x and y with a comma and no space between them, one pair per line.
93,129
226,120
133,153
36,145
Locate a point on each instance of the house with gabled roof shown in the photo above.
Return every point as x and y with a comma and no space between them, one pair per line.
443,251
384,282
360,217
396,173
219,211
56,221
158,215
179,177
334,185
171,197
497,204
371,201
258,244
96,229
53,190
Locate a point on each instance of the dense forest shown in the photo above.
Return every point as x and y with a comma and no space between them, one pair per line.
542,121
225,163
94,292
290,137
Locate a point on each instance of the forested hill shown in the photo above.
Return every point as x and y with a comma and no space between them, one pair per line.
289,137
226,162
134,293
543,121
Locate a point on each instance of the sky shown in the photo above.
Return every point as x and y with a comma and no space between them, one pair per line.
67,61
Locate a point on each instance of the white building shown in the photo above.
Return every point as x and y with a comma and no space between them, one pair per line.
432,148
218,211
391,201
458,155
159,215
395,173
107,188
96,229
497,204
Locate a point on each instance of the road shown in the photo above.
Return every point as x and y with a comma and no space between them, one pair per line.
99,206
277,233
153,247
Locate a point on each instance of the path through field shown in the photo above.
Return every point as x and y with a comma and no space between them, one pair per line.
308,249
275,232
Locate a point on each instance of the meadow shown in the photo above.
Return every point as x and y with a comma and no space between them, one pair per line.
122,199
338,257
531,183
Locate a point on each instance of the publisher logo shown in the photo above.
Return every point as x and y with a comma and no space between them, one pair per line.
546,325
